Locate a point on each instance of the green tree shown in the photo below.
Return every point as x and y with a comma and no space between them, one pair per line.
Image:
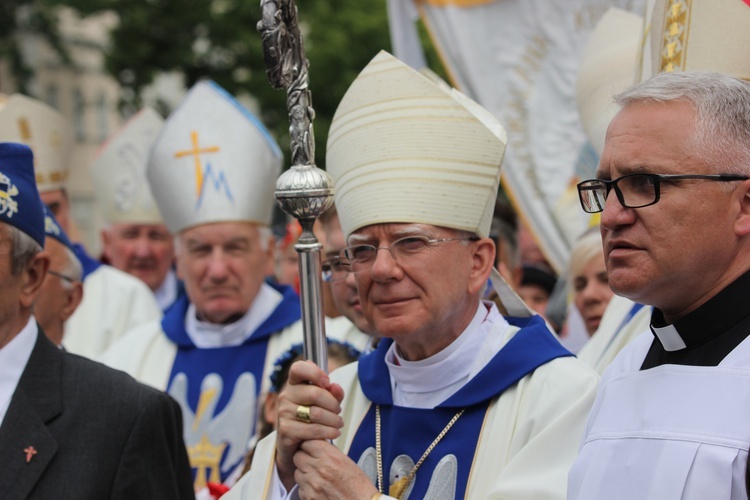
33,16
217,39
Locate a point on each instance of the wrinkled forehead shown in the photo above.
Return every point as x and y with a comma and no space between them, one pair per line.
649,137
129,227
224,232
394,231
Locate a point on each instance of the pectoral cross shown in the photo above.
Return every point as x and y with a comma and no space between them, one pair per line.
398,488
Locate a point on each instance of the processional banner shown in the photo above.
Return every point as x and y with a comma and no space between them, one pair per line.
519,59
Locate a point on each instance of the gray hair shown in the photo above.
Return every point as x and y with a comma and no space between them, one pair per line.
24,249
73,269
466,236
722,106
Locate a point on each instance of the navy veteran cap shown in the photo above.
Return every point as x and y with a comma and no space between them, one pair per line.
53,230
20,204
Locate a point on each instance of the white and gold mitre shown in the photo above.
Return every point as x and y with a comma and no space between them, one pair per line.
214,161
403,149
119,171
45,131
699,35
607,68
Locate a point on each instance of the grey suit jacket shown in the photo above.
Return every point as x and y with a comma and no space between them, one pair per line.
97,433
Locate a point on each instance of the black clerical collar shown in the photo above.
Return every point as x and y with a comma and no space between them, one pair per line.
705,336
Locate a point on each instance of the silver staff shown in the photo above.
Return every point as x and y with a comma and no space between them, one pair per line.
304,191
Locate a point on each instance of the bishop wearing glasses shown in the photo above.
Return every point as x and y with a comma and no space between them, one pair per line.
457,400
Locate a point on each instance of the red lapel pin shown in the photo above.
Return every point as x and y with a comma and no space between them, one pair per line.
30,452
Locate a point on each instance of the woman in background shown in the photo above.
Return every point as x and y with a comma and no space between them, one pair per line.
588,279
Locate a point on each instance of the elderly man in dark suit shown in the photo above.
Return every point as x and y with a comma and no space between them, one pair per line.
69,428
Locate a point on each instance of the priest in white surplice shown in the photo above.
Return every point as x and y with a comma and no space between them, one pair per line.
113,301
673,188
456,401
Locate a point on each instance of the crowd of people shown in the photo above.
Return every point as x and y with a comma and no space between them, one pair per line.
461,365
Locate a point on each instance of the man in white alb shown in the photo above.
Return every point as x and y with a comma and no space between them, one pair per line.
673,189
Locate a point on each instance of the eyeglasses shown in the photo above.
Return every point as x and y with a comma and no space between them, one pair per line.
360,258
334,269
61,276
636,190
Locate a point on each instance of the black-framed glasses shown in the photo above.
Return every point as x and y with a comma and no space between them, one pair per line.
334,269
360,258
60,275
637,190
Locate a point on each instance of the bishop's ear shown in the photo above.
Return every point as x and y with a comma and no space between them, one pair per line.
483,252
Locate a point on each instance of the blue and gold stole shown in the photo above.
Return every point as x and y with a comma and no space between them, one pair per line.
407,432
218,389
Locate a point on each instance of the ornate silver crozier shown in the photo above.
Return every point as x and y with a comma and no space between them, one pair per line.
304,191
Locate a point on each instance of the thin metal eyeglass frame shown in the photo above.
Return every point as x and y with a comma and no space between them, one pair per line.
327,272
589,185
349,266
61,276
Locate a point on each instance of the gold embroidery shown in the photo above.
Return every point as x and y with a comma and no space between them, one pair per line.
675,36
195,152
57,176
205,457
24,129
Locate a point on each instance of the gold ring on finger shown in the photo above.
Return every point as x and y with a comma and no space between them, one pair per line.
303,413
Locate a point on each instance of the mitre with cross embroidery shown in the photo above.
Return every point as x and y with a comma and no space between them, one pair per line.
214,161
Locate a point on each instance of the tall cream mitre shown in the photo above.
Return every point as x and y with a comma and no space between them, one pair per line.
403,149
45,130
214,161
607,68
119,171
700,35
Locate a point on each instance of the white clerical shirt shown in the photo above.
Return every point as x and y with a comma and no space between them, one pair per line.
13,359
208,335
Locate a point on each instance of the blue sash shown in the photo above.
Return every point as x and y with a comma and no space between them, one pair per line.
407,432
181,294
218,388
